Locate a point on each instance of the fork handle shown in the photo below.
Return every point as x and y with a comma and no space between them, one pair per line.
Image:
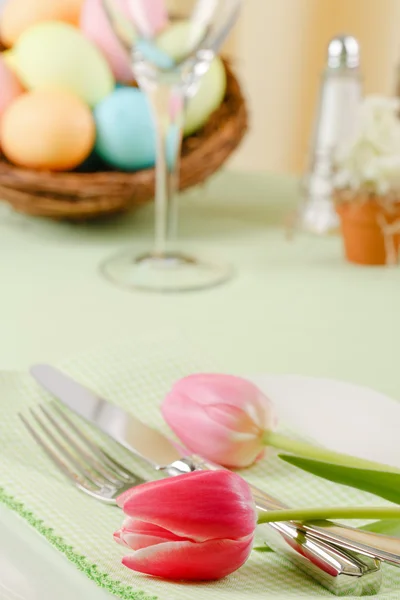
384,547
342,571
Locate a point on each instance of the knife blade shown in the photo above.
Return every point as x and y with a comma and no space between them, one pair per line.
148,443
343,572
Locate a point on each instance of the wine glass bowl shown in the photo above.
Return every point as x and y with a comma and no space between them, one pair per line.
170,44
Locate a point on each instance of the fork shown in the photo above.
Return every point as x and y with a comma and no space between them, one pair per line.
88,466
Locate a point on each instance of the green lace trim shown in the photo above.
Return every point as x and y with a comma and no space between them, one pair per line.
126,592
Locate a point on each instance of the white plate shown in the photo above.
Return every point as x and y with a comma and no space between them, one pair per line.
342,416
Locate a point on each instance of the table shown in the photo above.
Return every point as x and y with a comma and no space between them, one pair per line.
293,307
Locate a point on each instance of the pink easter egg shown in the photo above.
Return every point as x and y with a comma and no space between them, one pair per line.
10,87
96,26
157,14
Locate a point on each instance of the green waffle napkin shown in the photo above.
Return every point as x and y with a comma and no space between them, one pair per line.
136,376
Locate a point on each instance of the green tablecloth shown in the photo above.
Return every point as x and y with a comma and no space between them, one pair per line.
293,307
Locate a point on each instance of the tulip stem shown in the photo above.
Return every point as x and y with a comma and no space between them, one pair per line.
281,442
330,512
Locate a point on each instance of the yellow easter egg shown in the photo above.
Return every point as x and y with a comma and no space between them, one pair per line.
47,129
19,15
58,55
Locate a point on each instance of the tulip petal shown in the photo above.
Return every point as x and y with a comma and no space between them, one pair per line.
118,538
215,388
233,418
200,506
192,424
191,561
137,534
125,496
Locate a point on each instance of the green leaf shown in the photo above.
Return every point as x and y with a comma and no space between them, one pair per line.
384,484
386,527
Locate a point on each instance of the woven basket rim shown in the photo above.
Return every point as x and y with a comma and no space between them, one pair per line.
77,194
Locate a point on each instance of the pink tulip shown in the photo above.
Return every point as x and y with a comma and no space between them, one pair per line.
229,421
198,526
220,417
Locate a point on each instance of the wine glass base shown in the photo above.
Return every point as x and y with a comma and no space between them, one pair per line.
170,272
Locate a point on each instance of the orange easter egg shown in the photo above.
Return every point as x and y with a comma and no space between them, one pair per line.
48,129
19,15
10,86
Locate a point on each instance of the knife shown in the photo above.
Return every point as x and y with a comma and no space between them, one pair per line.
351,569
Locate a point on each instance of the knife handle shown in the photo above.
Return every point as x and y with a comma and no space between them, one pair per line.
344,572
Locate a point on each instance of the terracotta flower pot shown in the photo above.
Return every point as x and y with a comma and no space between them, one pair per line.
369,234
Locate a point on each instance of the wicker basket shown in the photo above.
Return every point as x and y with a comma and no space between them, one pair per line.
83,196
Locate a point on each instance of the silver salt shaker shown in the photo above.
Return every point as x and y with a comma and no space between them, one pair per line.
340,97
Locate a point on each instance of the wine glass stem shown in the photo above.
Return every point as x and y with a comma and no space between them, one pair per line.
168,105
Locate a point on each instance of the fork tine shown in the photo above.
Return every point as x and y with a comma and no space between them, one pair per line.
82,471
120,469
53,456
112,464
92,462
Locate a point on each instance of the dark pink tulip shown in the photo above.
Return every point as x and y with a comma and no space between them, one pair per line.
198,526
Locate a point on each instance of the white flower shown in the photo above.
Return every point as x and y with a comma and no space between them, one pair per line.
371,158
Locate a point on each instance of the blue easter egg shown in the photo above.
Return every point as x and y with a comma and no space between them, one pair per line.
125,131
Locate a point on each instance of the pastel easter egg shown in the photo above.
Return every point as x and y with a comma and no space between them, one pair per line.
151,16
19,15
125,131
10,86
178,40
97,27
48,129
58,55
208,98
171,46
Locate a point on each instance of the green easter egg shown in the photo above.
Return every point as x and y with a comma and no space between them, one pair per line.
175,44
208,97
55,54
179,40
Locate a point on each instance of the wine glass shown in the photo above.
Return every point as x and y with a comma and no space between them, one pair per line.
171,45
